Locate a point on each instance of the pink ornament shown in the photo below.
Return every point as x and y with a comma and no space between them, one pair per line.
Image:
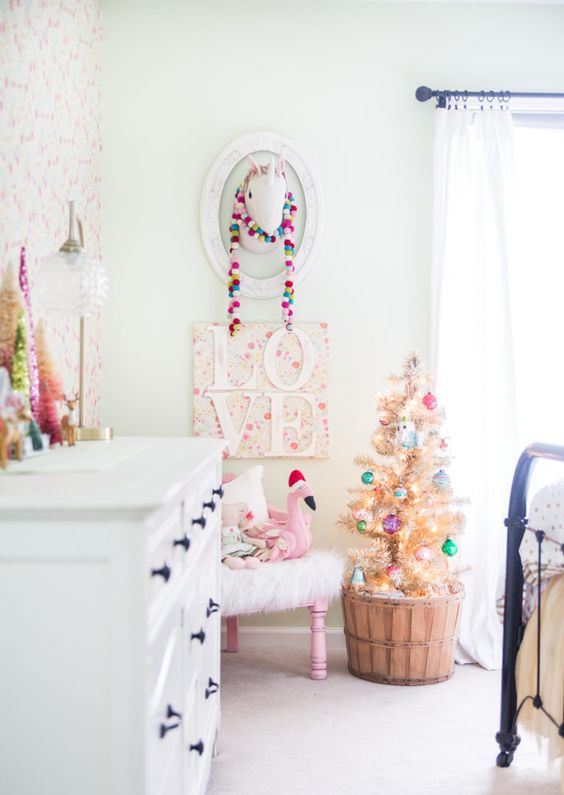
32,355
362,515
393,571
430,401
423,553
391,523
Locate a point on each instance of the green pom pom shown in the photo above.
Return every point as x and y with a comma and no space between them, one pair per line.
361,526
450,547
367,477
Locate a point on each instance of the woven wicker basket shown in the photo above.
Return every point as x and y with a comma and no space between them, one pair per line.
401,641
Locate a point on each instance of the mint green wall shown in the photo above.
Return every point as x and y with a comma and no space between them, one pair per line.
183,78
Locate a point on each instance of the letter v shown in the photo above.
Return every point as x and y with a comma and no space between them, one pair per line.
219,400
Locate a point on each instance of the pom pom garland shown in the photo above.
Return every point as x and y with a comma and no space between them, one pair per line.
241,222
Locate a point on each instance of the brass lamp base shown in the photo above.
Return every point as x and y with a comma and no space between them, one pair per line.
94,434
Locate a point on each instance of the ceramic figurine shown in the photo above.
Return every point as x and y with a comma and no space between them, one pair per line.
408,435
69,421
12,437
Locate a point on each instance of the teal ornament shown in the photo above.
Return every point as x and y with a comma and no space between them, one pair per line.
450,547
441,480
361,526
367,477
357,576
400,493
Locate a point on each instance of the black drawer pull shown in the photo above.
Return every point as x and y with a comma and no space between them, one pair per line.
163,729
212,687
163,572
212,607
170,713
219,491
201,521
210,505
182,542
201,636
199,747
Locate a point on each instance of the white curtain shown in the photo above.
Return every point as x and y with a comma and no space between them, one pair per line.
471,349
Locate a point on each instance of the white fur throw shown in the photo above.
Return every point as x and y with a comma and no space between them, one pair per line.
283,585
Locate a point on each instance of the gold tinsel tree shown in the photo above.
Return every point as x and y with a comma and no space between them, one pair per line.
11,304
404,503
20,371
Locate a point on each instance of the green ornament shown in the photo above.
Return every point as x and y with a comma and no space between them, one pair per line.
361,526
450,547
367,477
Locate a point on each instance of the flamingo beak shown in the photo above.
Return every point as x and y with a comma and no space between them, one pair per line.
310,502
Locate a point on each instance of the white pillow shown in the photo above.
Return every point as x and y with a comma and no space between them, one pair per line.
248,488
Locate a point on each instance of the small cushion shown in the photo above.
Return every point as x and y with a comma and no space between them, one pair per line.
247,488
283,585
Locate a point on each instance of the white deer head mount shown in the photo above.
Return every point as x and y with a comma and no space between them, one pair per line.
265,191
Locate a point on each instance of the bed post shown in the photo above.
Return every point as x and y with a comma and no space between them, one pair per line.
516,522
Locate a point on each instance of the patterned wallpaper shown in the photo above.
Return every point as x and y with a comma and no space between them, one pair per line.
50,149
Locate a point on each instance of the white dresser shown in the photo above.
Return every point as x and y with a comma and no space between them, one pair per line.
109,619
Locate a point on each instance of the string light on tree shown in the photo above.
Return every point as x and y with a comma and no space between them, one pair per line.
404,503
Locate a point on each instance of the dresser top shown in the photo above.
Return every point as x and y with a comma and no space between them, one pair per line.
131,474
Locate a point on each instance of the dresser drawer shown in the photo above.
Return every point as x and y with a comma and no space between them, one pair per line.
204,504
165,558
165,722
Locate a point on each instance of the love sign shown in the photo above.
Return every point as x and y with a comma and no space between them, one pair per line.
264,390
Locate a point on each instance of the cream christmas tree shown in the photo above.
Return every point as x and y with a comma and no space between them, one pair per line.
404,503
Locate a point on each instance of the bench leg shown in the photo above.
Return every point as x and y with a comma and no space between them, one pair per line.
318,641
232,623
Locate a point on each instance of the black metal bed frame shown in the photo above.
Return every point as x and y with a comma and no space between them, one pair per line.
513,627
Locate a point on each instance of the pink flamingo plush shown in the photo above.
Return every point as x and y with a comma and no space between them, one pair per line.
287,533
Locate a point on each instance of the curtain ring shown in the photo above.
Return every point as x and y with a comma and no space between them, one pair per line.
465,98
481,98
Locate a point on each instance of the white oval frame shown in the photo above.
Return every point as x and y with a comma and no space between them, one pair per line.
212,191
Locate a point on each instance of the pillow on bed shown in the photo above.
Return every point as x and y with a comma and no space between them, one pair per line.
247,488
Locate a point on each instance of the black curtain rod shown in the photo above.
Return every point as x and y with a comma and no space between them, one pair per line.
424,93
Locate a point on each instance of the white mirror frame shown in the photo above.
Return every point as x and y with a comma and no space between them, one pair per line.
237,150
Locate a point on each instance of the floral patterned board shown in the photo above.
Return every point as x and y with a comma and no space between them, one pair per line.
50,152
265,390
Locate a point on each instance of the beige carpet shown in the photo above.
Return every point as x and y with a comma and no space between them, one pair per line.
283,734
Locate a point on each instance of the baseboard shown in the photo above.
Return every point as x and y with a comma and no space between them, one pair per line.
286,637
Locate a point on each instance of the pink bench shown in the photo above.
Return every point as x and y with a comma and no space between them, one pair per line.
311,581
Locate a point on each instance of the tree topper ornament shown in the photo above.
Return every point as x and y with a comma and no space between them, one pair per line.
263,214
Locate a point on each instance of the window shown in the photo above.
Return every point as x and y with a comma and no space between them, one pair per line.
537,279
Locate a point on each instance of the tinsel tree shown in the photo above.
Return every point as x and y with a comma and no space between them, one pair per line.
35,435
50,389
11,305
20,371
404,503
31,352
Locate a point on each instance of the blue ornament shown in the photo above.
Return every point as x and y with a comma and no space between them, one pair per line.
357,576
400,493
367,477
441,480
